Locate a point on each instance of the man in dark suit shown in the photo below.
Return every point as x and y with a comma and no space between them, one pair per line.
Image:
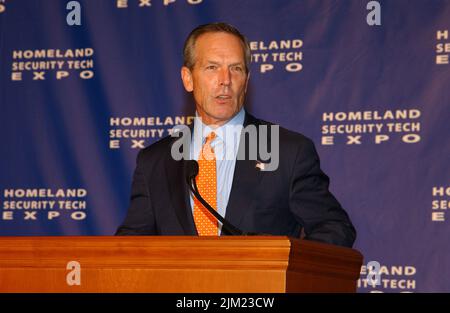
292,200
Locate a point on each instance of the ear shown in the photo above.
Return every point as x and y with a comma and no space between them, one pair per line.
186,77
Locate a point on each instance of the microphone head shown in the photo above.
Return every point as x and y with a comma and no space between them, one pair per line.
191,169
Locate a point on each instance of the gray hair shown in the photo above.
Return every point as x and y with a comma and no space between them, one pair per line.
189,44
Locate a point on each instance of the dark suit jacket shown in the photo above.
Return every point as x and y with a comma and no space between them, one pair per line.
290,201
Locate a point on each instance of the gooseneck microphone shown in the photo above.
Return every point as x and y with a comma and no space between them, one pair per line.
191,173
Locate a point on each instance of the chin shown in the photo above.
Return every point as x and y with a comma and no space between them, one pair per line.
221,113
227,111
225,116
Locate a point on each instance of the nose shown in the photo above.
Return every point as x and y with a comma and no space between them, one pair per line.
225,77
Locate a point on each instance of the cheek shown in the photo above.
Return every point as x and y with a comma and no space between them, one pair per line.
205,85
240,82
202,95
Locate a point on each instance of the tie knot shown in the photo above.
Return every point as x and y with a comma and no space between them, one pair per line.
210,136
207,152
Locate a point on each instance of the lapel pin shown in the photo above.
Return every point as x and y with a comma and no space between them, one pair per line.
260,165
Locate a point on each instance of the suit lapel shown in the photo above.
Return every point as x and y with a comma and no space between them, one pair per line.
245,180
179,194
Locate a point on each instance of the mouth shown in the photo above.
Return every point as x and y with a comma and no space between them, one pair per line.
223,97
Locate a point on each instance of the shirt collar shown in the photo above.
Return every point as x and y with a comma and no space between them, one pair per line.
201,128
227,139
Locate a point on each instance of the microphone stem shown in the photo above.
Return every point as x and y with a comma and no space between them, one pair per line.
233,230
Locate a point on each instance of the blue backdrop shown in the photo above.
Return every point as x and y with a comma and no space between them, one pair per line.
77,102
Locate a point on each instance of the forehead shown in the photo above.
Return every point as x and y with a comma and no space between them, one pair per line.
219,45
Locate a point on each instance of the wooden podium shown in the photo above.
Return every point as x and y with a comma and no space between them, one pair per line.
175,264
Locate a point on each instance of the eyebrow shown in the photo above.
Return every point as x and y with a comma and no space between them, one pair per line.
218,63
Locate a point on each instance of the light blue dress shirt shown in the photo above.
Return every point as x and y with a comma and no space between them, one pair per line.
225,145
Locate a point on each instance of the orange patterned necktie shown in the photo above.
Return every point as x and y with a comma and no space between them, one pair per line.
206,180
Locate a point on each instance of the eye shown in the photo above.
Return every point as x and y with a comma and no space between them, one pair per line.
237,68
211,67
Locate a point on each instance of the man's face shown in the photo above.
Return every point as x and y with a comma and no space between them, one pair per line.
218,79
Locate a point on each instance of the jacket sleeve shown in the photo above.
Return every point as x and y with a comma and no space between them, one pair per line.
140,218
316,209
